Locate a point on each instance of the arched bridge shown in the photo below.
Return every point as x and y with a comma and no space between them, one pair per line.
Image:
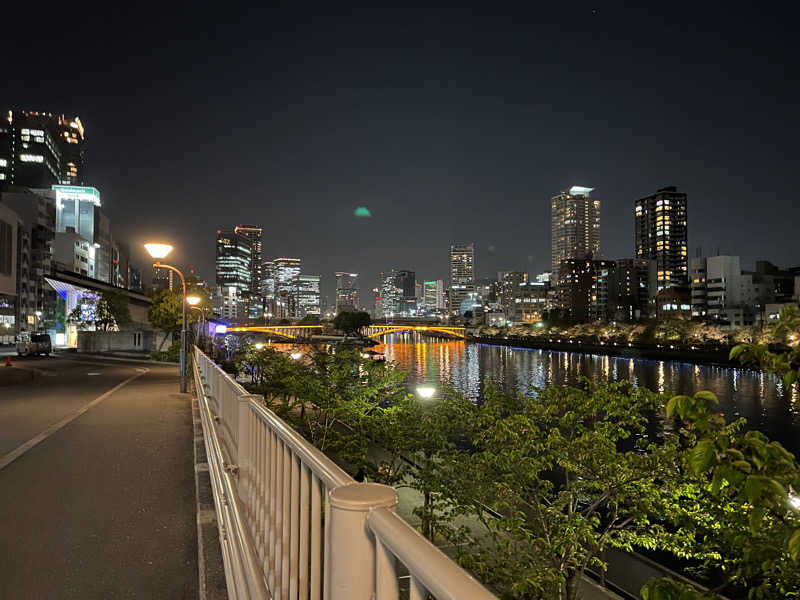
376,331
290,332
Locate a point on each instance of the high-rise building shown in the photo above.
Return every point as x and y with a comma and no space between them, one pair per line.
509,287
406,282
233,260
268,280
631,289
254,236
661,235
305,298
390,298
586,290
462,274
40,149
285,269
434,295
575,226
346,291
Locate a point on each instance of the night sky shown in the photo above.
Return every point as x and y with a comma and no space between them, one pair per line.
449,122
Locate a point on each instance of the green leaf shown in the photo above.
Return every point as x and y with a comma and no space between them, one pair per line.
755,485
736,351
794,545
742,465
756,516
701,456
709,397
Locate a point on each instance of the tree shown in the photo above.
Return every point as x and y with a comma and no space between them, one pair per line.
748,514
351,322
564,475
309,320
110,311
166,311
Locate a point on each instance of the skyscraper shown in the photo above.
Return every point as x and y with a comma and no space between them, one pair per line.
346,291
305,299
233,260
253,234
661,235
575,226
285,270
433,293
462,273
39,149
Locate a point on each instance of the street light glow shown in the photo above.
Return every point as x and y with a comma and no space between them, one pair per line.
295,355
158,251
794,501
259,346
426,391
193,300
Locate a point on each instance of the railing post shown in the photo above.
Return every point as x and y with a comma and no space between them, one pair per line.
351,570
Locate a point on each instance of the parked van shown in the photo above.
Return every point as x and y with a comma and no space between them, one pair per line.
33,343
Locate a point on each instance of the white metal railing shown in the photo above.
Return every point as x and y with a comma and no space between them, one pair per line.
293,525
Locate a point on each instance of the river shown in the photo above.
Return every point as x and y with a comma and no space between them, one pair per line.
760,398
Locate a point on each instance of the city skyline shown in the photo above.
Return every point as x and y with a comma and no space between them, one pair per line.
387,127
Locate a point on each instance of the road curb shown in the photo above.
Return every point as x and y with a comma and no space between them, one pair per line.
211,570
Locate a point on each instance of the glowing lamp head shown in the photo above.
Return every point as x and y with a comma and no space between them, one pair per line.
259,346
193,300
158,251
221,329
426,391
295,355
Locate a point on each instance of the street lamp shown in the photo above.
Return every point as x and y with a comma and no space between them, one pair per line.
193,302
158,252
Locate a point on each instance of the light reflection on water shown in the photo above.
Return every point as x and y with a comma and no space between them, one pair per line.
758,397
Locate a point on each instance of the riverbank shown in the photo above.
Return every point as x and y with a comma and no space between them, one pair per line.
687,354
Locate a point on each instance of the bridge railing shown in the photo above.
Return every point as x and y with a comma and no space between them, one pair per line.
294,525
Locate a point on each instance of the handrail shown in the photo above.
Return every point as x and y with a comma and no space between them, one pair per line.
323,467
293,524
241,565
425,562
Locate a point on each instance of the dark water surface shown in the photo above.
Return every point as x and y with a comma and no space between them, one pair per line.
758,397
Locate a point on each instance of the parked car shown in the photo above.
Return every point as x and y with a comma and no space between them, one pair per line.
33,343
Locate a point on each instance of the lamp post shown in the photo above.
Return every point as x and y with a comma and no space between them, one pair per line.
158,252
193,302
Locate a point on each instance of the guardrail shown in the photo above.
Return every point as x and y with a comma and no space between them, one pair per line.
293,525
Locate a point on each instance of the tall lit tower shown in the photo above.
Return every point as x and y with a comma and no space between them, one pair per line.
462,273
346,291
575,226
253,234
233,260
661,235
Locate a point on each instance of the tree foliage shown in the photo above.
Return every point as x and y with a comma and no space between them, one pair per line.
351,322
111,311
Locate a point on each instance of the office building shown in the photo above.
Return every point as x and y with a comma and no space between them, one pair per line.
233,261
390,298
305,298
433,295
462,274
508,285
406,282
346,291
38,150
254,235
285,270
661,235
575,226
10,226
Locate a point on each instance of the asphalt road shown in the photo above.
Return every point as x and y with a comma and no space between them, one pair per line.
96,482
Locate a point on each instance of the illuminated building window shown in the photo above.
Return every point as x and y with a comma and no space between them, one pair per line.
37,158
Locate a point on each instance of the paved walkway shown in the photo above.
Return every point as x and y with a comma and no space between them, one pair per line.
97,483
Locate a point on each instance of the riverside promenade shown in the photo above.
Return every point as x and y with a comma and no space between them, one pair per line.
97,485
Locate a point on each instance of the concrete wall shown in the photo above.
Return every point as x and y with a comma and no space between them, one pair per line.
134,340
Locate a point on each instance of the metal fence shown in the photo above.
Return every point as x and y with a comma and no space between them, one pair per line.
293,525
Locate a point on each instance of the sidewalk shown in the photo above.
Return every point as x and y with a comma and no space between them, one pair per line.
105,506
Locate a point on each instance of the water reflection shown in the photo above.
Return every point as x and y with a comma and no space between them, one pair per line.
758,397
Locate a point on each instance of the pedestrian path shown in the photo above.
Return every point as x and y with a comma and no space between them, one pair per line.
103,506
